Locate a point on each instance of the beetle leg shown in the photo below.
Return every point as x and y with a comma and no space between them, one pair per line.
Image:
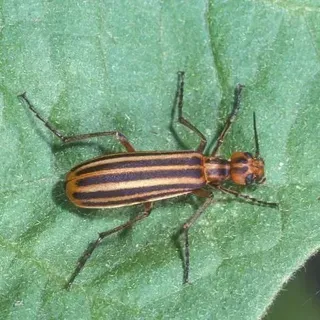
118,135
245,196
92,246
185,230
182,119
230,120
202,193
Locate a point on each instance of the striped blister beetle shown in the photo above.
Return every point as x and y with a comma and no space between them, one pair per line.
133,177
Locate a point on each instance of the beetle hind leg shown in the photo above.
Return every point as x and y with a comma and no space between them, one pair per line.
67,139
102,235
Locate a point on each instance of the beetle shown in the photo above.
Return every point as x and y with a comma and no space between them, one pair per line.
134,177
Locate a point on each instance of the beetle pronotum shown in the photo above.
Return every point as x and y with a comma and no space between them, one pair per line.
130,178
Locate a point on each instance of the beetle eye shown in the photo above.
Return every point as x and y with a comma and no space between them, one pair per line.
249,179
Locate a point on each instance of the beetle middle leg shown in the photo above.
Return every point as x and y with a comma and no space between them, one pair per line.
183,120
187,225
102,235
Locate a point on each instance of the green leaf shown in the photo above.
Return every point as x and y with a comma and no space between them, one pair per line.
92,66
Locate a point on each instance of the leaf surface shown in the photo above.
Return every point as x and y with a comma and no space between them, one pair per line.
97,66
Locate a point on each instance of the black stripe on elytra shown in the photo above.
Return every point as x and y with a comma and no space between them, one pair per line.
134,154
188,161
132,191
128,201
135,176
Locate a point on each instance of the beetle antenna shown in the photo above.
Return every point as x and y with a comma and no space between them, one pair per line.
256,135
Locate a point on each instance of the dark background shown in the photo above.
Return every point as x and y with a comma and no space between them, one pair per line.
300,297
